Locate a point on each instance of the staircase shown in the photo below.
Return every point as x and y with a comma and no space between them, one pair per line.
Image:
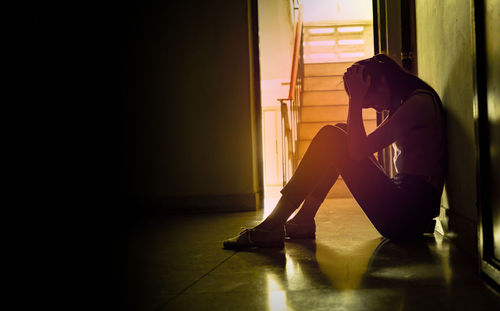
324,98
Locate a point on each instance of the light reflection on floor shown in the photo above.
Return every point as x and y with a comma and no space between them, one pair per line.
345,266
179,264
277,299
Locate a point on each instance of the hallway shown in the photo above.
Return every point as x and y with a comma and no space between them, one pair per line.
177,263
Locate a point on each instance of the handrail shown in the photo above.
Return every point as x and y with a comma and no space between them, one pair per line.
289,131
296,54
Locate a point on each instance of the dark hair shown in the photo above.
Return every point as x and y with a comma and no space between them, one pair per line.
401,82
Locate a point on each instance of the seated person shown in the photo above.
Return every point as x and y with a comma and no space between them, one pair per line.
400,208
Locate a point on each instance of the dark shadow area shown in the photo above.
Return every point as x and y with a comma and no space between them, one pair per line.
460,185
178,263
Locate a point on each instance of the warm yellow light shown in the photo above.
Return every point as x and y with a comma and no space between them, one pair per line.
351,41
269,205
321,30
352,54
292,268
277,299
322,43
336,10
351,29
346,264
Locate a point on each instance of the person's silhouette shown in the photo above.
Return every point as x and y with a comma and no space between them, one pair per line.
401,207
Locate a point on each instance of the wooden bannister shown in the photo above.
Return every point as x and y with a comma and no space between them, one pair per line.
297,49
290,106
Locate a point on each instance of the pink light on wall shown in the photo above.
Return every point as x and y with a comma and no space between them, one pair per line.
351,42
316,31
351,29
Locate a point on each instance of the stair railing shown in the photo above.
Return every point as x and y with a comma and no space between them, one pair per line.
290,106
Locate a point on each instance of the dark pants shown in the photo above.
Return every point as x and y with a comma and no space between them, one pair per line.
400,208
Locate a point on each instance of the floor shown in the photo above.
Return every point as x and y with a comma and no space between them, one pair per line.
179,264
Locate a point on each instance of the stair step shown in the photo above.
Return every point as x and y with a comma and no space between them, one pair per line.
331,113
302,146
309,130
323,83
326,69
309,50
324,98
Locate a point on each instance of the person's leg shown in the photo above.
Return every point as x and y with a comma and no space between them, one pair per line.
316,165
381,200
326,151
314,200
393,213
322,152
396,213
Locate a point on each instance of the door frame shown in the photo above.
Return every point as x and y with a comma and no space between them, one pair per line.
394,33
380,46
488,265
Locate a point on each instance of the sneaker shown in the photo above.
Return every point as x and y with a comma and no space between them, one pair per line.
252,237
301,230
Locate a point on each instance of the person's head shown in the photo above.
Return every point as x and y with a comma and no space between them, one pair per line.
390,83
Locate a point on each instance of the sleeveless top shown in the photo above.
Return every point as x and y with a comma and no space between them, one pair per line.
422,151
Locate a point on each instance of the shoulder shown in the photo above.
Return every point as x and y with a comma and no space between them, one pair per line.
420,95
423,98
422,101
417,110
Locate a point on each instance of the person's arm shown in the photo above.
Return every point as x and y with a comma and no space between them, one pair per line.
356,87
356,133
415,112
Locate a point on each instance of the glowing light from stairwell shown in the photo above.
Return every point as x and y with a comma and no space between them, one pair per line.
322,43
336,10
351,42
269,204
350,29
321,30
276,293
352,54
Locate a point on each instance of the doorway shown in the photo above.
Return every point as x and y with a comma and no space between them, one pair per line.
335,34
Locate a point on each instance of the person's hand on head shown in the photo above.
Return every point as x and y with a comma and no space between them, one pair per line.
356,83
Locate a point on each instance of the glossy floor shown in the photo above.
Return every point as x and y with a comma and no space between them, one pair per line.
179,264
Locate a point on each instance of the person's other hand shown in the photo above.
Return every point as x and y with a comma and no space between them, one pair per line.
355,83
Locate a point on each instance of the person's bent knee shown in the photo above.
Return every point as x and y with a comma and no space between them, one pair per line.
342,126
331,131
331,136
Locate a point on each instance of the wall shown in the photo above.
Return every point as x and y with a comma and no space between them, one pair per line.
182,128
445,60
276,39
337,10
